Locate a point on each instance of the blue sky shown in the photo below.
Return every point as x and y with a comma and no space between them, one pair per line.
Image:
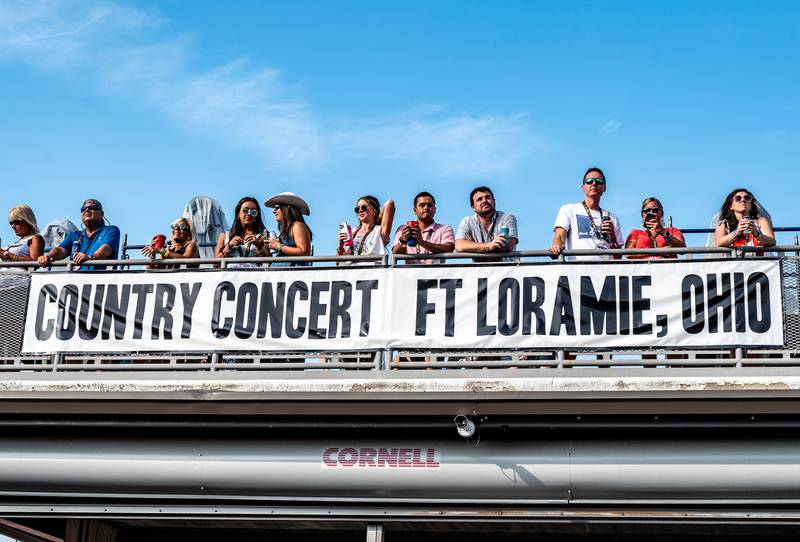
146,104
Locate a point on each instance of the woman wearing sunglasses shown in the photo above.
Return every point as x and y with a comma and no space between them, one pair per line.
247,236
373,231
294,236
653,233
742,224
180,245
29,245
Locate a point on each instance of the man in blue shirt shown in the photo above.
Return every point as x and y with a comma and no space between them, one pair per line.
97,241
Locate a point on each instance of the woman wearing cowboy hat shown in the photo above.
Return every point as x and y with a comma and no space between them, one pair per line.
294,235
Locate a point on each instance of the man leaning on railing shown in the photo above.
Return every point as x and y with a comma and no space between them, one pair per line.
424,235
488,230
97,241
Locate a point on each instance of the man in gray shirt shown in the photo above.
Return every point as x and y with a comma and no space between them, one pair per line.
488,230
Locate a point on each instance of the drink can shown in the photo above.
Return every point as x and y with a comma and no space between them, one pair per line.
504,231
76,246
158,240
415,225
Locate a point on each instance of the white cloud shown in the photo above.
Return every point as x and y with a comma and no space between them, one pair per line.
121,50
610,127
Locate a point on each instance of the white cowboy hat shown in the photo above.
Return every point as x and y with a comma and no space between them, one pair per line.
289,198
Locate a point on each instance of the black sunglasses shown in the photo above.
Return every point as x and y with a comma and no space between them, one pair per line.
16,222
89,208
594,180
179,227
360,208
652,210
745,198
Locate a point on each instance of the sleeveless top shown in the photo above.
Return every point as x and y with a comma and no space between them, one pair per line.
287,240
242,251
746,240
369,244
21,247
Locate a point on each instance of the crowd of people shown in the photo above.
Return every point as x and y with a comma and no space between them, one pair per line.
488,231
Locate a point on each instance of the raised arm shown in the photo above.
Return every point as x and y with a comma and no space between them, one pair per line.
387,217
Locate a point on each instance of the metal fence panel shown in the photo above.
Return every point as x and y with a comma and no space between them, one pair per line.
14,286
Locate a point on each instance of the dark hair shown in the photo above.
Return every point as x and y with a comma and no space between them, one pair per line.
291,214
236,227
424,195
373,202
479,189
728,216
595,169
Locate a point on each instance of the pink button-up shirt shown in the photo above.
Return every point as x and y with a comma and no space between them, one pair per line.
435,233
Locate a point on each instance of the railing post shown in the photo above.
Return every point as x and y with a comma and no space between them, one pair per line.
374,533
214,361
738,355
560,357
57,358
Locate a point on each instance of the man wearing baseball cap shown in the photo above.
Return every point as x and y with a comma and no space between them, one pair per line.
97,241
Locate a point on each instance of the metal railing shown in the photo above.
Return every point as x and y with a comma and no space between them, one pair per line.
14,285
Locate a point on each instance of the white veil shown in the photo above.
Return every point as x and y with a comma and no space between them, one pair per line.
208,220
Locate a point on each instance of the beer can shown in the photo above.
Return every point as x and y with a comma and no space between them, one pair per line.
415,225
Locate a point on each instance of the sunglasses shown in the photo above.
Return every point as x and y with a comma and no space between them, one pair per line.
594,180
248,211
16,222
652,210
360,208
179,227
89,208
746,198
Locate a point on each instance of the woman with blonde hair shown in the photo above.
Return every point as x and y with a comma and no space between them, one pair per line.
30,244
180,245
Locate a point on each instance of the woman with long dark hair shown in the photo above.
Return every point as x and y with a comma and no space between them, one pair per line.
294,236
742,222
247,236
373,231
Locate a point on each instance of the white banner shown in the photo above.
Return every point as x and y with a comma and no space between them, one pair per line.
589,305
575,305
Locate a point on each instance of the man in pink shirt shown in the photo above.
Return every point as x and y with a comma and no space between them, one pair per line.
427,237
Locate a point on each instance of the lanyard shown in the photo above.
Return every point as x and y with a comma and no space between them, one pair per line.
597,233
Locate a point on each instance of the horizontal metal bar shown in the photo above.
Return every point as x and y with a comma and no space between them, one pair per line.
401,257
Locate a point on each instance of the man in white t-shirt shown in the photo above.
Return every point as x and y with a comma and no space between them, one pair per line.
586,225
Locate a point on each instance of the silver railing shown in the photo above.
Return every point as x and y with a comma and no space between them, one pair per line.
15,281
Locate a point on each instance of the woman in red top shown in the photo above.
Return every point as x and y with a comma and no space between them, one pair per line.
654,235
740,223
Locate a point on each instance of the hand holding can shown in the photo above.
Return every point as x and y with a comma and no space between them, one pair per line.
414,225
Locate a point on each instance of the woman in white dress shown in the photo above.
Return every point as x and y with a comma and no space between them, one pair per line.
373,231
29,245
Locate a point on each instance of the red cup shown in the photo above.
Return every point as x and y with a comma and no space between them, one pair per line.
412,224
159,240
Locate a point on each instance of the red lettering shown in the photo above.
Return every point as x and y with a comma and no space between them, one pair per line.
404,457
431,458
348,457
366,457
416,458
326,456
387,458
